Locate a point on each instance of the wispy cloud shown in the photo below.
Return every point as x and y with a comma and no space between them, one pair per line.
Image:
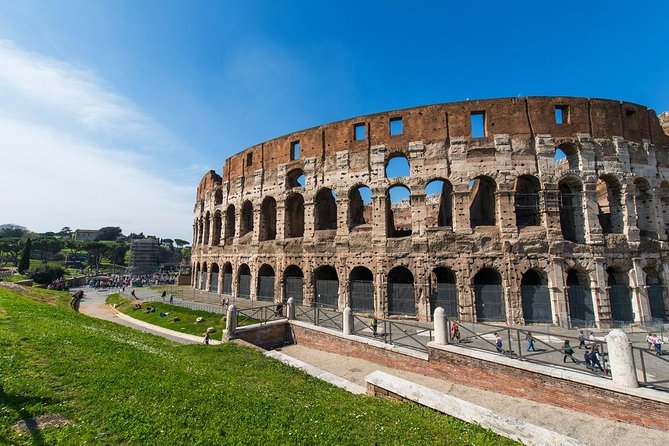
76,153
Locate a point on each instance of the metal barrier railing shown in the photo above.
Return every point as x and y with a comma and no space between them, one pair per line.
260,315
652,369
320,316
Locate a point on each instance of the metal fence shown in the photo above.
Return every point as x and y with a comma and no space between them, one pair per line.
266,288
409,335
401,300
244,289
327,293
652,369
620,297
536,302
227,283
490,303
362,295
295,289
580,305
446,297
321,316
260,315
656,300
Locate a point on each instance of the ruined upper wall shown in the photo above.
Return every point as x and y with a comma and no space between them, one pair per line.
208,183
516,117
664,122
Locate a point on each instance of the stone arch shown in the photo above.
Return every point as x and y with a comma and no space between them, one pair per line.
359,206
572,220
325,210
295,178
244,281
526,201
213,282
483,201
609,202
294,216
655,290
397,165
489,296
196,277
579,298
267,219
326,287
401,300
643,202
216,235
566,157
620,295
535,297
203,276
265,287
247,218
439,203
293,284
361,289
227,278
207,220
444,292
218,197
398,211
230,223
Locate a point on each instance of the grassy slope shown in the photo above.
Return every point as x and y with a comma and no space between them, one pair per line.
120,386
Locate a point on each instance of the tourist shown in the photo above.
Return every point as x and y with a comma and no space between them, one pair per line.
455,332
132,293
568,352
498,343
163,295
279,309
657,343
581,340
649,340
171,298
587,357
530,342
206,338
374,326
596,358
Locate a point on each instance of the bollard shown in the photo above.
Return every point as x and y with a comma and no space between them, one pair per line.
291,309
440,326
230,323
347,322
623,371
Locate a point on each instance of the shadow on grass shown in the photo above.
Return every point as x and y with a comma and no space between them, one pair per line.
18,404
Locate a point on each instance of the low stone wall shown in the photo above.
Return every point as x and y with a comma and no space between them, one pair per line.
270,335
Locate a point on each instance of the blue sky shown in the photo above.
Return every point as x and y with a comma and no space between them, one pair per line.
123,105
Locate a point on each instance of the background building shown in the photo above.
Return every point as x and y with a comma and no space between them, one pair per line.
143,256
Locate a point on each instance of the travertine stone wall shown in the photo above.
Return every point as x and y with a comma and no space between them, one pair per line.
517,234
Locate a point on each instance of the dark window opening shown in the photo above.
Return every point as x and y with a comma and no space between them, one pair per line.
294,216
249,159
396,126
482,196
325,210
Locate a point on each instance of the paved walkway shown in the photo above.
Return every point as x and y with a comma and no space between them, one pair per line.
581,426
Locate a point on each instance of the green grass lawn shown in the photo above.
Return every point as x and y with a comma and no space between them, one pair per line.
120,386
187,317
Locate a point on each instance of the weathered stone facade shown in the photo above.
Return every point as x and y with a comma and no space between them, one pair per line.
557,212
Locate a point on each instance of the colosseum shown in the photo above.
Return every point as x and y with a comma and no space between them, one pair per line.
537,210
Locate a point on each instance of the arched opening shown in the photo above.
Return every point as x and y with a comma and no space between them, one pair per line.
581,309
295,178
609,204
439,204
294,218
207,219
195,233
218,197
483,203
216,236
620,296
397,166
203,277
655,295
361,289
326,287
401,299
247,219
566,157
664,204
535,297
398,211
244,281
489,296
293,284
213,282
572,222
444,292
227,278
196,277
266,283
359,206
325,210
643,201
267,219
229,223
526,201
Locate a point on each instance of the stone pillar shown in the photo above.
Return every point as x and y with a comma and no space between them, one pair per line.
461,222
440,326
379,214
600,296
623,371
230,323
280,219
593,230
291,309
640,302
347,321
342,216
558,291
418,214
630,220
506,215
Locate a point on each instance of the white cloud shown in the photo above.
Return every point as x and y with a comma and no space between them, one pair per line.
69,153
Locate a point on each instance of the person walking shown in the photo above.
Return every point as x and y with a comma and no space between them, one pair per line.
132,293
498,343
657,343
455,332
581,340
530,342
568,352
171,298
206,338
374,326
596,358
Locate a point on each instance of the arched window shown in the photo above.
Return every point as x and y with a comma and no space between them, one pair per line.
609,203
398,211
439,204
656,299
326,287
489,296
294,216
266,283
535,297
229,223
213,282
207,219
643,201
325,210
247,219
203,277
218,197
483,203
216,237
268,219
620,295
196,278
572,222
397,166
566,157
361,289
244,281
227,278
444,292
581,309
359,206
526,200
295,178
401,300
293,284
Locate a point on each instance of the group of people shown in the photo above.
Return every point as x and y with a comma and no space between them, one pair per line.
654,343
123,281
59,285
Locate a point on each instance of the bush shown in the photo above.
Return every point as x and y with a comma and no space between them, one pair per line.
45,274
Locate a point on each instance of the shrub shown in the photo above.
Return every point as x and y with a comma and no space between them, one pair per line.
45,274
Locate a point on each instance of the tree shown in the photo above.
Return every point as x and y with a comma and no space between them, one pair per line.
134,236
24,262
12,230
109,233
46,248
181,243
168,241
66,232
45,274
95,251
116,253
11,247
